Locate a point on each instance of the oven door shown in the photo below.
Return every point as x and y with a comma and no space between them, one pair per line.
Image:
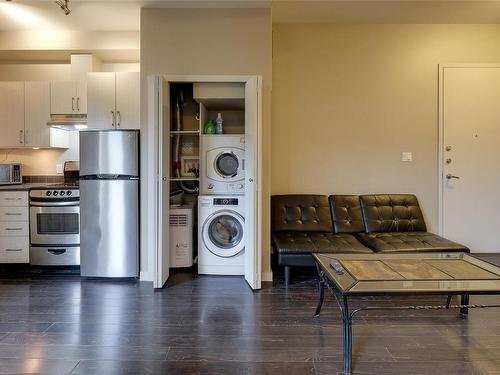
55,225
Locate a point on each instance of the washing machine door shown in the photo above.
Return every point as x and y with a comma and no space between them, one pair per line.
223,233
225,164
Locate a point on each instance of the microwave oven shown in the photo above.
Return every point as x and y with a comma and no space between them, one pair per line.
10,174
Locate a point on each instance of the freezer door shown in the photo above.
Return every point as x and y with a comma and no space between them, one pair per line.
109,216
109,152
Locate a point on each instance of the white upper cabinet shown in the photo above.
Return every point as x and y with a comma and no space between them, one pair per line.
67,98
128,100
100,100
37,113
12,114
113,100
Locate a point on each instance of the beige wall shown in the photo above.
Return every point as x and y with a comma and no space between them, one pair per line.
348,99
211,42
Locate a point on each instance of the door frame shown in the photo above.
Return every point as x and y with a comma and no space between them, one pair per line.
154,177
441,182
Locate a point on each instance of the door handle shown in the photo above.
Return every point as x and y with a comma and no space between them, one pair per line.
56,251
21,136
118,118
449,176
73,104
78,104
113,119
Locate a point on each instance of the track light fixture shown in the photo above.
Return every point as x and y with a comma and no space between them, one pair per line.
63,4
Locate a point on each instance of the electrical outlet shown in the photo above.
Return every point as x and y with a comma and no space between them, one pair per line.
59,168
188,165
406,156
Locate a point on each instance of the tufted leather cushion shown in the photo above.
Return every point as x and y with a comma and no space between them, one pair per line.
316,242
392,213
346,214
305,212
397,242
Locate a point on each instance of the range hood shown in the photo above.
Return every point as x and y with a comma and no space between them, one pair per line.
68,122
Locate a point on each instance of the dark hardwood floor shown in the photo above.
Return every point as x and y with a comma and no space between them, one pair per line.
217,325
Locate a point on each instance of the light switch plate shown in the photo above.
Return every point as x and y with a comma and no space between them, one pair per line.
406,156
59,168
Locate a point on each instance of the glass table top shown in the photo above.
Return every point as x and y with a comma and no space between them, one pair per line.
440,273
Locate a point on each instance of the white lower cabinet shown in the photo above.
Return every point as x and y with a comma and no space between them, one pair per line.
14,227
15,249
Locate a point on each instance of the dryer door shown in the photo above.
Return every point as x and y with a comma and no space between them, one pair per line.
225,164
223,233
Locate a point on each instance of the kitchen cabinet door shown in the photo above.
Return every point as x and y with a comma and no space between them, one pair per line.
63,97
81,98
37,113
12,114
101,100
128,100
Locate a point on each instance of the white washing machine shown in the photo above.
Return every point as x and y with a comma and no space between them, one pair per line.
221,236
222,166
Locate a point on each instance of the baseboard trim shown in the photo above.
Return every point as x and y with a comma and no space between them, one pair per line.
267,276
145,276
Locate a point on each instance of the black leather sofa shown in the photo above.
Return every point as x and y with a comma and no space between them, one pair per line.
306,223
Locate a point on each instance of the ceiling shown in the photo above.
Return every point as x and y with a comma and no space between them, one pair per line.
95,15
124,15
388,11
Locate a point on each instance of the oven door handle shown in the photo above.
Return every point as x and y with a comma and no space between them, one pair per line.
54,204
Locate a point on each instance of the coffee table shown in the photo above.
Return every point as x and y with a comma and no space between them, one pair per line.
447,274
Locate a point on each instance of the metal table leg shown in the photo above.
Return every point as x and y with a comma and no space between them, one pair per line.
448,301
464,311
347,325
321,291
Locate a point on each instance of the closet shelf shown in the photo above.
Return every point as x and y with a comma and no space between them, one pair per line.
184,132
184,179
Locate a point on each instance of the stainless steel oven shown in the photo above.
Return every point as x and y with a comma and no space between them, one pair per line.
55,226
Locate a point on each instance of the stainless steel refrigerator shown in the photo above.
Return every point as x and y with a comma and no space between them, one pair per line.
109,203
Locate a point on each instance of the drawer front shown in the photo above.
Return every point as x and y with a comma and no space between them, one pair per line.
14,213
14,228
55,256
14,249
13,199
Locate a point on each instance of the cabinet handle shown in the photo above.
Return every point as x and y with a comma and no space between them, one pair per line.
78,104
119,117
26,137
12,199
12,214
13,249
113,119
13,228
21,136
72,104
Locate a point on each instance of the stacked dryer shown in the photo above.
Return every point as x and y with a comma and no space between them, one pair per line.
221,236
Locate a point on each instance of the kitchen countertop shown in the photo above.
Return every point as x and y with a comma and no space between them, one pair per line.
24,187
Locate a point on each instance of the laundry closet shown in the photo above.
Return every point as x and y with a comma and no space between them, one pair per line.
209,167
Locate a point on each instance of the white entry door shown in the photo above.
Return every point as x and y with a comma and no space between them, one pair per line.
470,121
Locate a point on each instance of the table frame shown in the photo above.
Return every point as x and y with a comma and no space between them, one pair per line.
347,315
